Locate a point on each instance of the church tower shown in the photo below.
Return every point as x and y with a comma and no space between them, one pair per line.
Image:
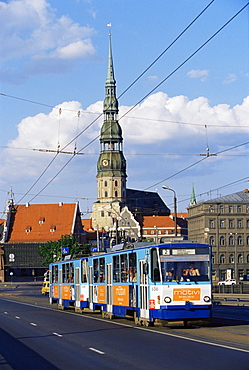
111,166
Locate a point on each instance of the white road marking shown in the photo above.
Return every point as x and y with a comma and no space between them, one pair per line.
58,335
6,313
17,317
97,350
32,323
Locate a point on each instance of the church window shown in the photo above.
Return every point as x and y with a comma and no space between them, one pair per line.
105,183
116,183
106,194
116,194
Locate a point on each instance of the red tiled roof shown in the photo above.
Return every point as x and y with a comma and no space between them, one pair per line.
87,224
40,220
158,221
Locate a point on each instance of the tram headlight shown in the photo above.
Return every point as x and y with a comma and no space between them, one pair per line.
167,299
206,298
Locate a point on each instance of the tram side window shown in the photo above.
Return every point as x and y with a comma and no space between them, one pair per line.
124,268
55,274
102,270
155,274
84,271
116,269
95,271
132,267
68,272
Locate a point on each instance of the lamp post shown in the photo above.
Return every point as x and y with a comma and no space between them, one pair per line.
175,206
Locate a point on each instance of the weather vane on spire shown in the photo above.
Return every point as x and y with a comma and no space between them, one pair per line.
109,25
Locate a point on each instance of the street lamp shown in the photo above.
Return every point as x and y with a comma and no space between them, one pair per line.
175,206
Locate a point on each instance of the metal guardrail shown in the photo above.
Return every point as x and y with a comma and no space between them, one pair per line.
231,289
231,299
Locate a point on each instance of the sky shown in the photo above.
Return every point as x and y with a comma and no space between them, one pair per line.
184,121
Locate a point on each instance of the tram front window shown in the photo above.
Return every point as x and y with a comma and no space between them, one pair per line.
184,271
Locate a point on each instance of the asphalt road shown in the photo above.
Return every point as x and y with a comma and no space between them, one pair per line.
34,335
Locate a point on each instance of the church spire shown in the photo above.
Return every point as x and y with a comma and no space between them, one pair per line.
110,70
192,199
111,163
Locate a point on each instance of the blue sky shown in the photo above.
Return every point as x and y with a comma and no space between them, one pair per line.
55,53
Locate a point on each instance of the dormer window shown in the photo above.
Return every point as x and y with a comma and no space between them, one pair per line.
28,229
52,228
41,220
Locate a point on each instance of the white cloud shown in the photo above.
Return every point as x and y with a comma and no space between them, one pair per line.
230,78
197,73
30,30
153,126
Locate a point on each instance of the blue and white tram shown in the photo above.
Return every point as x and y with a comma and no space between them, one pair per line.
170,281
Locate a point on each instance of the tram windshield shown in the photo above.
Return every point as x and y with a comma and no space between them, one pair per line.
183,265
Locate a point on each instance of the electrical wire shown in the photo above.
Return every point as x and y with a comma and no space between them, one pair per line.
174,71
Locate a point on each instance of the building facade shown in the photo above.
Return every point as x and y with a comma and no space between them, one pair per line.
224,223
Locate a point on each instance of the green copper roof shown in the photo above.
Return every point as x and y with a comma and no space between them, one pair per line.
193,199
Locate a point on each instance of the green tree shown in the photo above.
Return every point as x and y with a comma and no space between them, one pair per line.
52,251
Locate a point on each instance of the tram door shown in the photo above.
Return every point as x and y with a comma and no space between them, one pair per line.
109,287
77,286
91,286
143,269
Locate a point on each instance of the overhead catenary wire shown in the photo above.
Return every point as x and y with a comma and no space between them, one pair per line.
176,69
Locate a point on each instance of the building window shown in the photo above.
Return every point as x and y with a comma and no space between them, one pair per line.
230,240
231,258
152,232
239,224
52,228
240,258
222,258
221,209
106,194
222,224
116,183
116,194
230,209
213,259
41,220
102,213
145,232
165,231
230,224
222,240
247,240
105,183
248,258
247,209
247,224
211,209
240,240
211,224
211,240
239,209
